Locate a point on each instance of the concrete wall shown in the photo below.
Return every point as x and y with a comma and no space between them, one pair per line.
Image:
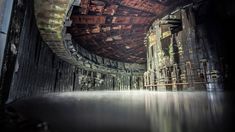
185,59
31,68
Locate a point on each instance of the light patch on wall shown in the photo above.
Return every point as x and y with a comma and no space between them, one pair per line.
166,34
84,6
95,29
121,20
109,39
106,29
118,37
152,39
110,10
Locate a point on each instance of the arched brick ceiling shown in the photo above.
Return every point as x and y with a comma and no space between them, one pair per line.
116,29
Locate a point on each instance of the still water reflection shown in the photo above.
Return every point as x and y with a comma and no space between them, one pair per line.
131,111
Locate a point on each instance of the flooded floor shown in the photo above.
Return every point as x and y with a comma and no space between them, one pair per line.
131,111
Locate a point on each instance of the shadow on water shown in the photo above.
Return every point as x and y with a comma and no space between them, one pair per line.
130,111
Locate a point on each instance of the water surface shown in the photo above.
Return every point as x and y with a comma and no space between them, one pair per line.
131,111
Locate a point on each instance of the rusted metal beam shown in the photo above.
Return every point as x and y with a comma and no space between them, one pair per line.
88,19
144,5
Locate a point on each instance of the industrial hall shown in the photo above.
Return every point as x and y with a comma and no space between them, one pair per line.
116,65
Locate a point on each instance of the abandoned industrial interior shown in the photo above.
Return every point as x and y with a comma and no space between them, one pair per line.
116,65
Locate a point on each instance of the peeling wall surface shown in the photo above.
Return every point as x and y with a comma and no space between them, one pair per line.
103,26
37,70
54,25
183,54
183,48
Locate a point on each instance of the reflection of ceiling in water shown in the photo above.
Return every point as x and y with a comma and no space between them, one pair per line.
116,28
134,111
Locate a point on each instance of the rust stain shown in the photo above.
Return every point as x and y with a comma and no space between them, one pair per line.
141,20
121,20
88,19
111,10
144,5
114,28
84,6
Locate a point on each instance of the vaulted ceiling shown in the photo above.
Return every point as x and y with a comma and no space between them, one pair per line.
116,29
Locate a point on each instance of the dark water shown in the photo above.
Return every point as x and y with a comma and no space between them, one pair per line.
132,111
